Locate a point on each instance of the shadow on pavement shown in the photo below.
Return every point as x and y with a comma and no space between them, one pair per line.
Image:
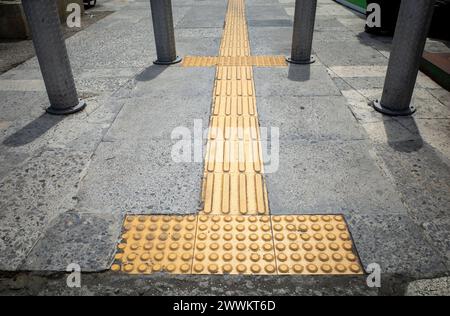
407,146
299,73
151,73
32,130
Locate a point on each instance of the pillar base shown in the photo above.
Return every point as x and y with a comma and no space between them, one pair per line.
168,63
380,108
312,60
77,108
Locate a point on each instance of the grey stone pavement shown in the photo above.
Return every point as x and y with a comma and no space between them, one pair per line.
66,183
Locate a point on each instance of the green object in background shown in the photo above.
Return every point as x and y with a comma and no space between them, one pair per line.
358,5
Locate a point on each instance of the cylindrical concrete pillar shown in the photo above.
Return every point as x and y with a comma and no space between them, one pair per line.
302,38
164,32
44,24
409,42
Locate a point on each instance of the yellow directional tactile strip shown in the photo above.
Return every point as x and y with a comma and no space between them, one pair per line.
255,61
252,245
234,182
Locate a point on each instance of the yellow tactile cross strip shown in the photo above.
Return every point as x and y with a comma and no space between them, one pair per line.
256,245
255,61
234,234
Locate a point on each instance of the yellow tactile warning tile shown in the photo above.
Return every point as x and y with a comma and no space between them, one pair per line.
314,245
247,245
234,245
157,244
255,61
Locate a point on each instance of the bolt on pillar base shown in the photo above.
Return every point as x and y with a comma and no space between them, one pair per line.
77,108
383,110
168,63
309,61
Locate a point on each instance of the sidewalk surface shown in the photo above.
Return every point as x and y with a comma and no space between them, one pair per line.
67,183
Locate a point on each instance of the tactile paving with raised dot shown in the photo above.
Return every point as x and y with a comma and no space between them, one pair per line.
157,244
234,245
221,244
314,245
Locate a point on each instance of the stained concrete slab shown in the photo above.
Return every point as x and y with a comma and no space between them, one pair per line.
204,16
395,243
150,118
421,176
432,287
160,81
87,240
347,55
295,80
310,118
31,195
198,41
330,177
270,40
140,177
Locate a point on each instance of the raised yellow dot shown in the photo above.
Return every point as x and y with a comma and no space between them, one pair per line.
213,268
270,268
115,268
199,268
241,268
283,268
255,268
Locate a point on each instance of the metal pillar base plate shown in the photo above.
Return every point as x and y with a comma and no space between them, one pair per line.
312,60
380,108
77,108
168,63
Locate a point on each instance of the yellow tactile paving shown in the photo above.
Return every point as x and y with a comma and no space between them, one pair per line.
234,106
157,244
314,245
221,244
255,61
234,245
234,233
235,193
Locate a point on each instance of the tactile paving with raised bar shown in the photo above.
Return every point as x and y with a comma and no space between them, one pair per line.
255,61
235,193
221,244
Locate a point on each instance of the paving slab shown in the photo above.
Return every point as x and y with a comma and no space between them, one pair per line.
310,118
84,239
160,81
270,40
422,177
140,177
31,195
395,243
204,16
294,81
330,177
